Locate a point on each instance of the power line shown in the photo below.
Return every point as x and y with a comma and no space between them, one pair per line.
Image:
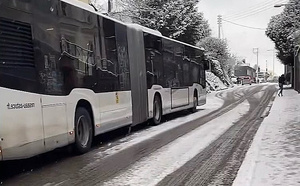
258,7
244,25
254,8
251,14
248,9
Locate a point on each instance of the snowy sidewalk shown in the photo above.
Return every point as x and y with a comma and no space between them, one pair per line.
274,156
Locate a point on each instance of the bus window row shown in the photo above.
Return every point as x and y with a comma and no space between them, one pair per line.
172,64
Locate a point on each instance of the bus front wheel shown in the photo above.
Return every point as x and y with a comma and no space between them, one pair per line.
157,110
83,130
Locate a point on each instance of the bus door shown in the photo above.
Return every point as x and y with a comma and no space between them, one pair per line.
46,32
173,57
180,97
55,121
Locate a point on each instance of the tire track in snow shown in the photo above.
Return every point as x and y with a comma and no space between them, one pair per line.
150,170
218,164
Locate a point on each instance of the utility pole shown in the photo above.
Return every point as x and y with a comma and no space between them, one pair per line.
219,25
273,62
273,53
109,5
256,51
266,73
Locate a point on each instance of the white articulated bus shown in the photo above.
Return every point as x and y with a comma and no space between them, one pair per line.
68,73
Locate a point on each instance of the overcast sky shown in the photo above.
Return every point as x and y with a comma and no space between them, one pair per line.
242,40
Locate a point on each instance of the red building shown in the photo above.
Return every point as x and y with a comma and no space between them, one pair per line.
242,71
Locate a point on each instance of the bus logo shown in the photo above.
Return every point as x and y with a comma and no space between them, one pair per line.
20,105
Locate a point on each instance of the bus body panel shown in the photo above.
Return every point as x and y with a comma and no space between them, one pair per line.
179,97
21,127
115,110
54,121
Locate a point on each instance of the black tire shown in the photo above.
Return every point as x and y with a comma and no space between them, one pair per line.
83,131
157,110
195,103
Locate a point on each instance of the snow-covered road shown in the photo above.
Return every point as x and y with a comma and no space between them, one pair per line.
148,156
152,169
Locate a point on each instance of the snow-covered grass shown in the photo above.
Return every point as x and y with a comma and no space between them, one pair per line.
274,156
152,169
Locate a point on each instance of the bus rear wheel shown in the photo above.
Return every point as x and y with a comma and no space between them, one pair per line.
195,103
157,110
83,131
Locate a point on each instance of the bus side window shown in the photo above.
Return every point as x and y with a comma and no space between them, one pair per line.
178,57
170,66
78,30
108,70
154,64
187,66
149,55
195,70
186,72
123,60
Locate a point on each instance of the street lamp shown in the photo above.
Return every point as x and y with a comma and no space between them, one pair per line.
255,51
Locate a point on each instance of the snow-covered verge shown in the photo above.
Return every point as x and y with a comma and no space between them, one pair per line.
213,82
152,169
274,156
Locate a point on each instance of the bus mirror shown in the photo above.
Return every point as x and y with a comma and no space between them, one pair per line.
206,65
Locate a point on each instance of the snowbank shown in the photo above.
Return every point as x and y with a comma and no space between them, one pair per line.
274,156
213,82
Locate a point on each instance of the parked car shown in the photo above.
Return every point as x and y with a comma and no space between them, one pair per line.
234,79
246,80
